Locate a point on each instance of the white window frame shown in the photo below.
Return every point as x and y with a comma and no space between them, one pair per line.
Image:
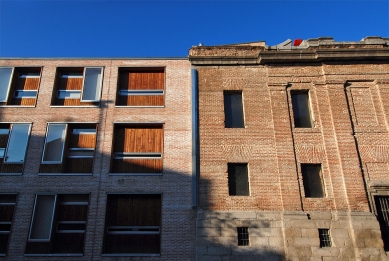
9,144
7,89
98,86
33,220
63,139
61,94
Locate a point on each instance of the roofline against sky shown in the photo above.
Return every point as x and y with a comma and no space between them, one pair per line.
94,58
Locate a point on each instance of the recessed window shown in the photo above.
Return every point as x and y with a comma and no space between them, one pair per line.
7,209
312,180
133,224
325,238
233,109
13,146
58,224
69,148
238,181
141,87
137,148
243,236
19,85
78,86
301,109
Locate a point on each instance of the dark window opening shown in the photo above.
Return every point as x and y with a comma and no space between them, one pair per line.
58,224
243,236
238,181
325,238
382,207
7,209
233,109
301,111
312,180
132,224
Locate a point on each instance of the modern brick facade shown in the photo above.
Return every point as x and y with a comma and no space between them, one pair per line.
172,185
345,87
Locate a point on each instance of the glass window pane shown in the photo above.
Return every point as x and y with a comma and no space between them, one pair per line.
66,94
92,84
55,142
301,112
43,217
81,153
233,109
17,143
25,94
5,82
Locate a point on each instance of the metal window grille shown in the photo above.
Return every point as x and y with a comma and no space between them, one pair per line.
382,207
325,238
243,236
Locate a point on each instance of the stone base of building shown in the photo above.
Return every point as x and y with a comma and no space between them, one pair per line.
288,236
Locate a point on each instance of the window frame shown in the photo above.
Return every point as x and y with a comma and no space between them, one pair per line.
63,140
313,194
99,84
231,166
8,88
10,223
325,237
300,123
34,217
5,161
231,121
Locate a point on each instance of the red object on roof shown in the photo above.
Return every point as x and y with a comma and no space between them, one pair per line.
297,42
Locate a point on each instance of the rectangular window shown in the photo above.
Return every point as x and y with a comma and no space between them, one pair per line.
324,236
141,87
238,181
233,109
243,236
58,224
301,109
382,211
133,224
7,209
69,148
78,86
312,180
19,85
137,149
13,146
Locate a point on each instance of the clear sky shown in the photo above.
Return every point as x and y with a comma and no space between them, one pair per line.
98,28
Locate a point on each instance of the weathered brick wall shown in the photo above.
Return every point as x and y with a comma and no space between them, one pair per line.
178,224
349,115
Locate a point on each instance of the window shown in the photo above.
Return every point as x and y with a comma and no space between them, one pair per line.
312,180
132,224
233,109
19,85
78,86
301,111
238,181
58,224
382,209
69,148
141,87
243,236
13,146
324,236
137,148
7,209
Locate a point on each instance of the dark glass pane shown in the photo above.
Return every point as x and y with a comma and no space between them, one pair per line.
233,110
238,183
313,186
301,113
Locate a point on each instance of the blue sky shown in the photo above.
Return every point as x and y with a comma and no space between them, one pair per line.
97,28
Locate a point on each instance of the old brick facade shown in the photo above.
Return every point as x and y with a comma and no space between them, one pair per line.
170,188
290,211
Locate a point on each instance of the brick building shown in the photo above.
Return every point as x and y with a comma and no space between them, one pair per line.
95,161
294,150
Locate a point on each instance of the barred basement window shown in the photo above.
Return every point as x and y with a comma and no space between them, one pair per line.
7,209
301,109
58,224
312,180
19,85
132,224
69,148
233,109
78,86
243,236
141,87
137,149
238,181
325,238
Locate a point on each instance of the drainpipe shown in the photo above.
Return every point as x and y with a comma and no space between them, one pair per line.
195,138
